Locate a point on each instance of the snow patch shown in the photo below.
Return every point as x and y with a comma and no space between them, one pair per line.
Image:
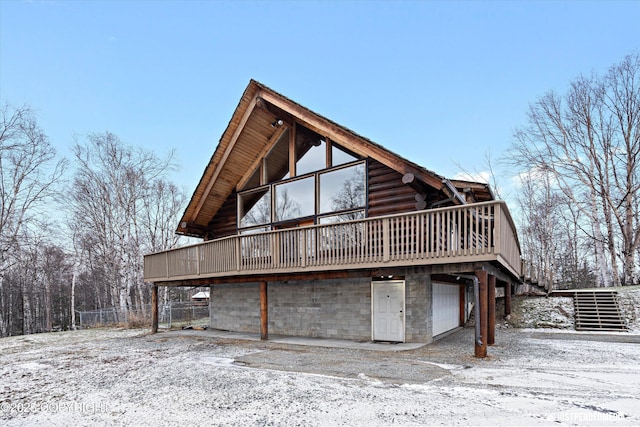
448,367
32,366
218,361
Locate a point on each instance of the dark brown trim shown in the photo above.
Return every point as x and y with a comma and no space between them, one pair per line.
444,272
275,278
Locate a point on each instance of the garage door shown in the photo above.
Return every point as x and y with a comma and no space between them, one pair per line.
446,308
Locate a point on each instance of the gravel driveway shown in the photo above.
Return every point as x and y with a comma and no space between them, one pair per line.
125,377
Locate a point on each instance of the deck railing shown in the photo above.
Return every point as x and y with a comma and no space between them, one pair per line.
468,233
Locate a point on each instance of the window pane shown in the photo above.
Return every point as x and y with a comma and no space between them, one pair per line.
311,153
255,207
342,189
295,199
340,157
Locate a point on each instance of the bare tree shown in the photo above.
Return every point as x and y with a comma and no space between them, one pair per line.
486,174
352,193
28,177
539,230
622,100
286,207
124,205
589,141
162,206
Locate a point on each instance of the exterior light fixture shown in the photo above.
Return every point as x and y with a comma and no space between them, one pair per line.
277,123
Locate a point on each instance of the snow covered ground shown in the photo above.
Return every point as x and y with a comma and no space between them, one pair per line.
127,377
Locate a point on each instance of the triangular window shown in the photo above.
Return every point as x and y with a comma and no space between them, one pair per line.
339,156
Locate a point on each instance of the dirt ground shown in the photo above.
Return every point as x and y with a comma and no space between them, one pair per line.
128,377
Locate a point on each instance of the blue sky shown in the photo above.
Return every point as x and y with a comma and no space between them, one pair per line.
440,83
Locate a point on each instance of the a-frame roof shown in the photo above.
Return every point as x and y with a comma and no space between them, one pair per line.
250,134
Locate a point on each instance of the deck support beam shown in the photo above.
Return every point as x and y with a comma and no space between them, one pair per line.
480,349
491,318
154,309
264,312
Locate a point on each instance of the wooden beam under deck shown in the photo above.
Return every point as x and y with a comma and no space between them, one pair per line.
446,273
344,274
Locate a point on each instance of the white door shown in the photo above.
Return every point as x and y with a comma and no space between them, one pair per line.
387,310
446,308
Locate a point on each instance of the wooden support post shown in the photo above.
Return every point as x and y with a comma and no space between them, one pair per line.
481,313
264,312
154,308
491,318
507,299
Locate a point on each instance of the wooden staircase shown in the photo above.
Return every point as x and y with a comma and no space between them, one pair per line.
598,311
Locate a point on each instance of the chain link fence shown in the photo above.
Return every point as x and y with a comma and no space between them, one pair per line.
173,314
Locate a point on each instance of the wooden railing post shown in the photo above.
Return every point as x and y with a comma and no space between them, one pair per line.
198,260
166,262
386,240
497,228
274,248
238,253
303,247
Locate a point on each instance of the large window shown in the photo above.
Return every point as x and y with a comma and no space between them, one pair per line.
340,156
294,199
342,189
311,154
254,207
297,151
332,195
303,178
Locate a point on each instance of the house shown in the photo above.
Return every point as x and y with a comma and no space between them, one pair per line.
310,229
200,298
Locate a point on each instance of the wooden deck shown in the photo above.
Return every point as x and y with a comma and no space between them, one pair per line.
482,232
